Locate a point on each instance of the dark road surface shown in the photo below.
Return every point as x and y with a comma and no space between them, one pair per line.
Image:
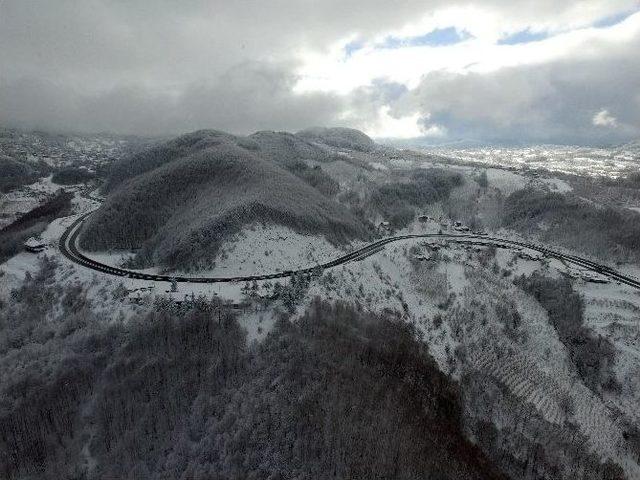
69,249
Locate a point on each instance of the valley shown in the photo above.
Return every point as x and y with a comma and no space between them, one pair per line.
483,264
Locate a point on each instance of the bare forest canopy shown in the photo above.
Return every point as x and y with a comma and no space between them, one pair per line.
177,393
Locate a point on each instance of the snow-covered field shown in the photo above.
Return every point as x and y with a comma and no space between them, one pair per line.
557,185
508,181
505,181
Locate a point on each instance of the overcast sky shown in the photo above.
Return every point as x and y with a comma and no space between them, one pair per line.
500,70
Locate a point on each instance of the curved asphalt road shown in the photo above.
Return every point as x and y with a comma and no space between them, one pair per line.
68,247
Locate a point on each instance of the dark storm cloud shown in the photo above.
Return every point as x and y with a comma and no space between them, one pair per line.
246,98
252,97
156,67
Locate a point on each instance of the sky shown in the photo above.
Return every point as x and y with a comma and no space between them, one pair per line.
544,71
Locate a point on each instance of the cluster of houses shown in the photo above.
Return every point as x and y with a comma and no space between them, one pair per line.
522,254
61,150
532,255
458,226
35,245
429,256
587,276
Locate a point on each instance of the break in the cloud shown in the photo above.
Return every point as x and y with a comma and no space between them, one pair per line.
494,69
604,119
387,126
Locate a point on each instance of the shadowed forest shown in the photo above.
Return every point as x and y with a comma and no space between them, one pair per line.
177,393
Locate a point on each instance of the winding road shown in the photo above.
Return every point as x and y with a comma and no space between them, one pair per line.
68,247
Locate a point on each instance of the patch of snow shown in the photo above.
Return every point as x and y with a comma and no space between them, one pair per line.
557,185
378,166
505,181
262,249
257,323
401,163
116,258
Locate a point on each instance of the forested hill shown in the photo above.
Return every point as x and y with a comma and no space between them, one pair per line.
286,149
15,173
178,202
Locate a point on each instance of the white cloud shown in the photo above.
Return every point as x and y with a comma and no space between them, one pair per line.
604,119
333,72
387,126
434,131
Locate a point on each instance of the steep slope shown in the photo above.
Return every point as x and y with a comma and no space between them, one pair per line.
177,202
